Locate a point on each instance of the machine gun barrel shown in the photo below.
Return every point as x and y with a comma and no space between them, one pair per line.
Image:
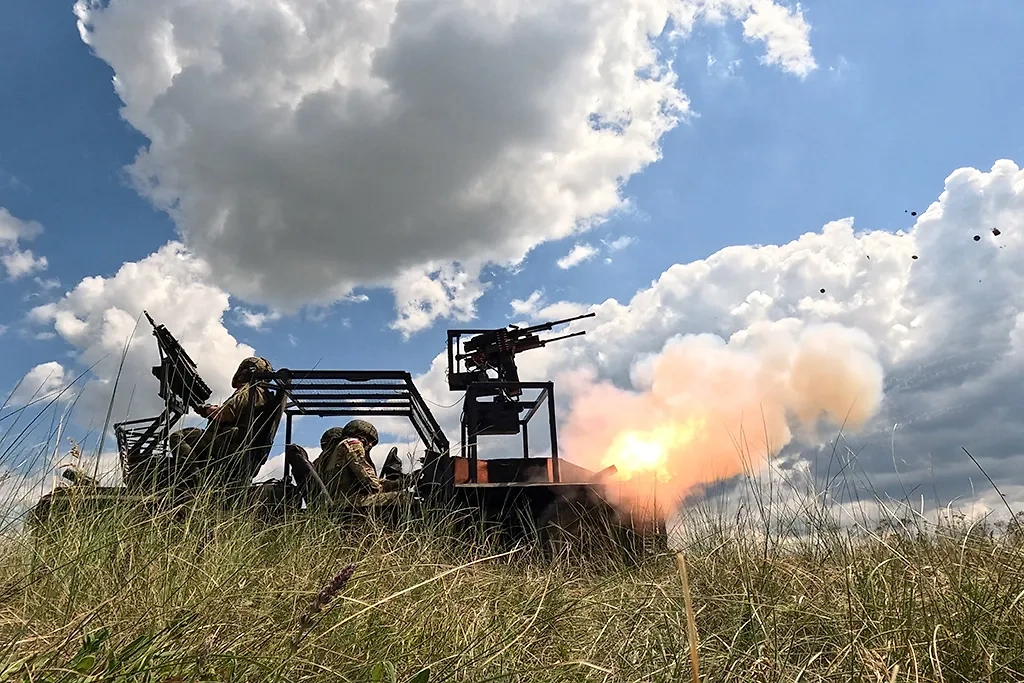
518,338
180,382
544,342
544,327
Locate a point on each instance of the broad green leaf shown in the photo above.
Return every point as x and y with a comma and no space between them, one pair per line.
421,677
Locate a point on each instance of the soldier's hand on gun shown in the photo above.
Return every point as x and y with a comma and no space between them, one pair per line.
206,410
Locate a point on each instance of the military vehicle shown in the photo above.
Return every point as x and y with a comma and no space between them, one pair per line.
545,493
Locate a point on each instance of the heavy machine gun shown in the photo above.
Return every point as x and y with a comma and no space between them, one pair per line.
181,389
495,350
484,366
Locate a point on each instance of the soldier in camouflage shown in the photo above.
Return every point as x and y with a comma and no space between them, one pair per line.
347,471
219,450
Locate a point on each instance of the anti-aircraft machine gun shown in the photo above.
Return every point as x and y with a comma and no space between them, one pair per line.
181,388
470,367
553,495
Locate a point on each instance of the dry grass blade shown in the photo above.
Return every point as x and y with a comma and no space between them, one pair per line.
421,584
691,624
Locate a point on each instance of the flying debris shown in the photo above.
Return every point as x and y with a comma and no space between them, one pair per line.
996,232
977,238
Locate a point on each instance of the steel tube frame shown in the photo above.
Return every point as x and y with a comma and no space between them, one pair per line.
350,393
469,426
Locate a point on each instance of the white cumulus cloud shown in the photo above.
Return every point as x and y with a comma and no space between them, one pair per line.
255,320
536,308
577,255
304,147
16,261
45,382
103,314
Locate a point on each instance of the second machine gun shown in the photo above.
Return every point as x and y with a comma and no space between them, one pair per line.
181,388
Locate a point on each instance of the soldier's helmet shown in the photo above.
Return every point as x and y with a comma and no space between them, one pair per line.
361,429
247,368
189,436
331,438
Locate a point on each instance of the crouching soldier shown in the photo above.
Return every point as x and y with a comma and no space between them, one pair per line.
347,471
218,453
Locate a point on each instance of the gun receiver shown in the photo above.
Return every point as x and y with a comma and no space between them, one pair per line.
181,387
496,350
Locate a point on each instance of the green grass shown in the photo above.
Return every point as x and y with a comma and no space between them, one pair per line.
780,592
206,596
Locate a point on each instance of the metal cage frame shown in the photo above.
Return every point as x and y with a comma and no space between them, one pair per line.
470,420
354,393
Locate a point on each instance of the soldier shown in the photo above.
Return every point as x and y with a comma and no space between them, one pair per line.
346,469
220,447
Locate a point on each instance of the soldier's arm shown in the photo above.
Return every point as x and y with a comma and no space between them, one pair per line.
324,464
361,468
232,408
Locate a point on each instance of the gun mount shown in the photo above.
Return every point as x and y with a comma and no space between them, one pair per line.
484,366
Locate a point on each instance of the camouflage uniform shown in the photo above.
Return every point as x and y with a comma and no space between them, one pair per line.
218,451
189,436
346,469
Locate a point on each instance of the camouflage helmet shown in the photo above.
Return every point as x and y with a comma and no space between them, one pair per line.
331,438
361,429
247,368
189,436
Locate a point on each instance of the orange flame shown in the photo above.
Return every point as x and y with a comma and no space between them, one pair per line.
650,452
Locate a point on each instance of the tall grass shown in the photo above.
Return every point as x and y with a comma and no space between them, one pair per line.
203,595
782,592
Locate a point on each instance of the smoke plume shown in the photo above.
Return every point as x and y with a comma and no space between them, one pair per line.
704,409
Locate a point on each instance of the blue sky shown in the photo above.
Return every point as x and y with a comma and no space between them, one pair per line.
900,98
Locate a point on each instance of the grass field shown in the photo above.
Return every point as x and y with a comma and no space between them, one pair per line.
205,597
779,592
